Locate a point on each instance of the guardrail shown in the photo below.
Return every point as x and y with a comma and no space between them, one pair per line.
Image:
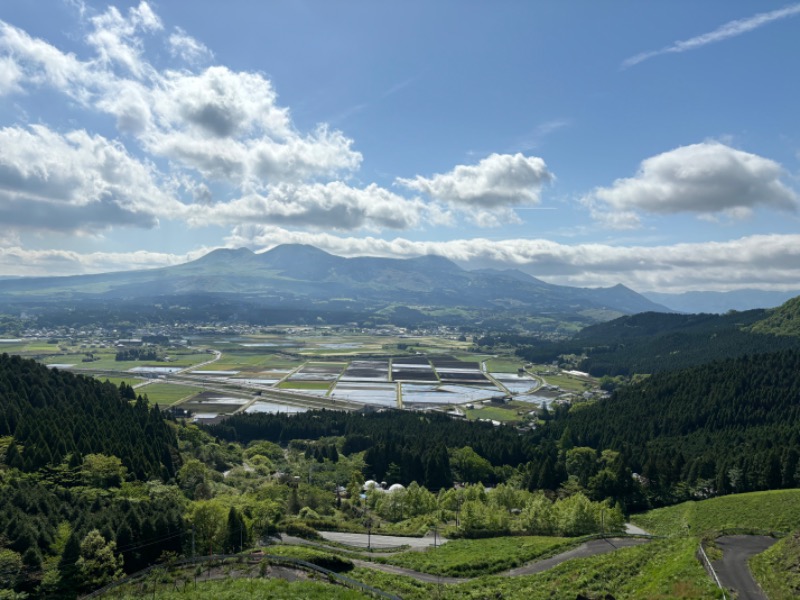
252,559
707,564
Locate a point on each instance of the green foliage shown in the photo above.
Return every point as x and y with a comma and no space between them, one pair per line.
731,426
326,560
234,589
99,563
784,320
99,470
54,415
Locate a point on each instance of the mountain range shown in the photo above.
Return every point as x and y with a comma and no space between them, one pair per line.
721,302
305,277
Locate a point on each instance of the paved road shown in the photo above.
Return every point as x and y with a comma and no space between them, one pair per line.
360,540
590,548
732,569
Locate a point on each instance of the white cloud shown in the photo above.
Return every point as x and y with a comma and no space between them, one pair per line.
17,260
707,178
116,40
182,45
10,74
43,64
764,261
724,32
497,181
222,125
333,205
75,182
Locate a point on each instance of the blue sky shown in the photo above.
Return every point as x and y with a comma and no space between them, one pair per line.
651,144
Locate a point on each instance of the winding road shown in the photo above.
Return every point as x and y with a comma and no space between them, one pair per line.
732,569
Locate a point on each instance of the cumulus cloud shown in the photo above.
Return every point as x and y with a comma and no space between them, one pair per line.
217,123
333,205
497,181
706,179
75,182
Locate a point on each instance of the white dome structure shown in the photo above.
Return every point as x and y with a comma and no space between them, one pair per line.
370,484
396,487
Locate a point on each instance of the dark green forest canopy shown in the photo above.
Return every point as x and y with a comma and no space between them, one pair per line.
734,424
53,416
655,342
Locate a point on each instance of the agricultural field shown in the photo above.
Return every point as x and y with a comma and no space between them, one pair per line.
167,394
389,370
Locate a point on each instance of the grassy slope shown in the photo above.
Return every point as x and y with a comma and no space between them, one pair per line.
662,569
471,557
233,589
777,510
777,570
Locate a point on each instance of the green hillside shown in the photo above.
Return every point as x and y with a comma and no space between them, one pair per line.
729,426
778,569
784,320
775,510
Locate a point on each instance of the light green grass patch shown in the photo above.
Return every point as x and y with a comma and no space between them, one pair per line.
776,510
570,383
167,394
494,413
503,365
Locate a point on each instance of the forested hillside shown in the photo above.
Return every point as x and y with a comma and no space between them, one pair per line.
784,320
728,426
656,342
52,416
66,442
417,445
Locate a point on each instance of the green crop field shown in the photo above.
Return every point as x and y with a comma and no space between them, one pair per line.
503,365
777,510
494,413
167,394
570,383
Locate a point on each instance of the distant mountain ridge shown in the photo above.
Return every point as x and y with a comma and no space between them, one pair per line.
721,302
307,276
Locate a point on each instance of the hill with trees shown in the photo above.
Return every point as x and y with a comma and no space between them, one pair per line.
654,342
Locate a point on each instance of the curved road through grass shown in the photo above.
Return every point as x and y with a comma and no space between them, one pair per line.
732,569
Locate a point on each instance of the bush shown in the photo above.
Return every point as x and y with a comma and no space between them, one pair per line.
301,530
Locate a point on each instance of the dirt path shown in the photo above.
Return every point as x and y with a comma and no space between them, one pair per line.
732,569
